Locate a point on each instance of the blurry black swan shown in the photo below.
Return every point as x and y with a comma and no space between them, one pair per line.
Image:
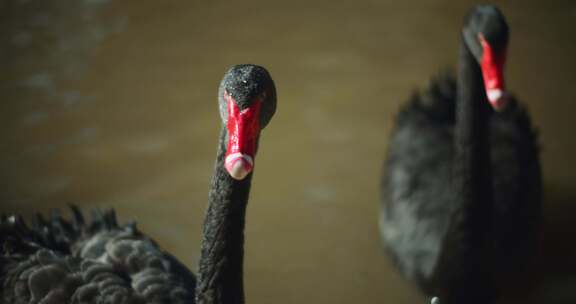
56,261
461,192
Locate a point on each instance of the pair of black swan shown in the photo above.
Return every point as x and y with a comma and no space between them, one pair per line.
462,194
462,184
56,261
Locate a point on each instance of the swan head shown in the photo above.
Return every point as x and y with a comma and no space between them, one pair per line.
247,102
486,35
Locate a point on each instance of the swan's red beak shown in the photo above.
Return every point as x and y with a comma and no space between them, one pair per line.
243,129
492,65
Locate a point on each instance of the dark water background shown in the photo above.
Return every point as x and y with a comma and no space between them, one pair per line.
113,103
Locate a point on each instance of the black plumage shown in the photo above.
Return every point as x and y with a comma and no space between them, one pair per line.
461,190
74,261
60,261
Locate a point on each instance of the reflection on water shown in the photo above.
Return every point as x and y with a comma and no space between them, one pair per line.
112,103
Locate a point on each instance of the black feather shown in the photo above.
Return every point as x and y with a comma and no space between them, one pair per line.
415,212
71,261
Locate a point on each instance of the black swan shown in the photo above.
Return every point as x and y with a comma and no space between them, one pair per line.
58,261
461,189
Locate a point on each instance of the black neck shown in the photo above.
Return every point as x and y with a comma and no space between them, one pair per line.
220,271
471,138
472,190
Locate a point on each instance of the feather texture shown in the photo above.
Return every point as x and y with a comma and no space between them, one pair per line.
56,260
416,204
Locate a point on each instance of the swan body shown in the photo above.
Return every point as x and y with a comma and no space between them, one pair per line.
416,196
61,261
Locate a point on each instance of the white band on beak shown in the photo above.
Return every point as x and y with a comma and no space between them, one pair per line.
239,165
494,94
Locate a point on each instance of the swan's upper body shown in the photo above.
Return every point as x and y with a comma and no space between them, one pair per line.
59,261
461,190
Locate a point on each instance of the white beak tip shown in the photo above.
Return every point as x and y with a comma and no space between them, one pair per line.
497,98
239,165
238,171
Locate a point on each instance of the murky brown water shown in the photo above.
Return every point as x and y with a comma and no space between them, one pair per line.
113,103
